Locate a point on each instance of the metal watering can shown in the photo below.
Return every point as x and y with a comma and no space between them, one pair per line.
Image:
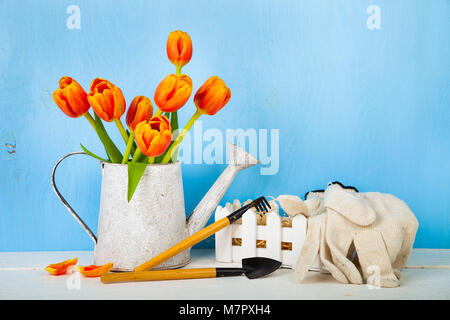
130,233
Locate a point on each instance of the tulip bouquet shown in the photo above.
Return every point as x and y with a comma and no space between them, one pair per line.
151,138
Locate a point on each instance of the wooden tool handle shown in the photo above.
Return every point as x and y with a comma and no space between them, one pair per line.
186,243
159,275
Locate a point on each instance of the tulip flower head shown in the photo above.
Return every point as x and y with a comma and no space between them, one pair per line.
71,98
179,48
173,92
106,99
140,109
153,136
212,96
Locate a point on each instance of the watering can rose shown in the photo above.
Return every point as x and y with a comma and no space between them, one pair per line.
153,136
173,92
179,48
106,99
71,98
212,96
140,109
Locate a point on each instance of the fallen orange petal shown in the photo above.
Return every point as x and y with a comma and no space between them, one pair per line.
60,268
94,271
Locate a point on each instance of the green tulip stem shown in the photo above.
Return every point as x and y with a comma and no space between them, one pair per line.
129,147
121,130
151,160
138,154
158,113
180,137
90,119
178,70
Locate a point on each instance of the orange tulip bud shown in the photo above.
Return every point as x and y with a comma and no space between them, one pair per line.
212,96
179,48
140,109
60,268
94,271
153,136
173,92
71,98
106,99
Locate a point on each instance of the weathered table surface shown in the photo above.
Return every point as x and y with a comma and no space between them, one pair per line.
22,277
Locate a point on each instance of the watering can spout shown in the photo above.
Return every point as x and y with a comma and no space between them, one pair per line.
238,159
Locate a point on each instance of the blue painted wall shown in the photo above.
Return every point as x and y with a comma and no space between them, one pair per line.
367,107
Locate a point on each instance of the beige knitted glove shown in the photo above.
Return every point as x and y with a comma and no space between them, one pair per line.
315,242
293,205
315,237
380,227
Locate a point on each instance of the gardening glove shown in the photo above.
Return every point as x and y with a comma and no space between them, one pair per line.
315,242
338,237
293,205
315,237
380,227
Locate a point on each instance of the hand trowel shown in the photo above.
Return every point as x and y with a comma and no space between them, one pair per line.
252,268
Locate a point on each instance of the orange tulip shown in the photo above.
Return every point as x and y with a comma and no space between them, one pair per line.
94,271
60,268
179,48
106,99
212,96
153,136
173,92
140,109
71,98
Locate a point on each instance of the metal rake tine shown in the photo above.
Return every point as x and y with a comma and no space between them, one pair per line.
262,205
258,206
257,200
254,203
266,202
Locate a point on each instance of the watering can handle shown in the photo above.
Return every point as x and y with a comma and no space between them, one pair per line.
66,204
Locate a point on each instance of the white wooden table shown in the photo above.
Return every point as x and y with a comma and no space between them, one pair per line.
22,277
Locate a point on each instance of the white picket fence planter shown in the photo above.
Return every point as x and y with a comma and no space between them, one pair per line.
249,232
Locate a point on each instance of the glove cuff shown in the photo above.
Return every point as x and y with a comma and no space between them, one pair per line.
319,192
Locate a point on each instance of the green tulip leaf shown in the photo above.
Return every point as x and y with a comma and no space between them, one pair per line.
135,172
93,154
111,150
